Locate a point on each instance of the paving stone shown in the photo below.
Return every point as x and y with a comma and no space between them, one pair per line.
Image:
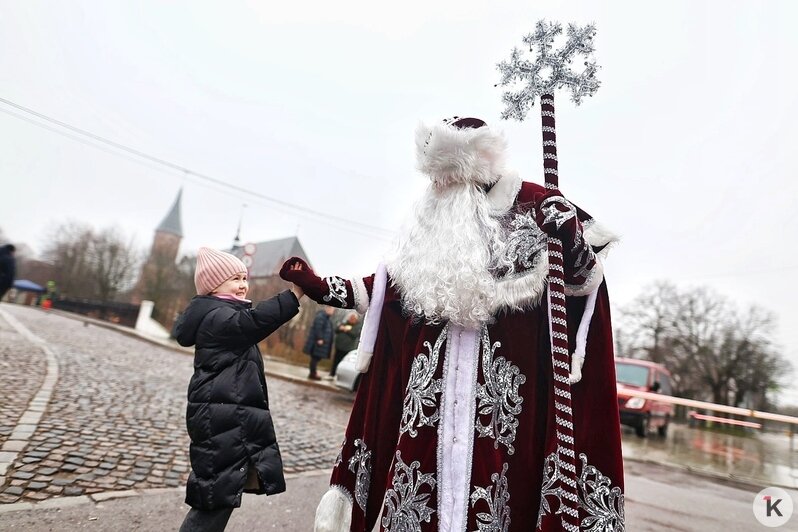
116,422
13,490
7,499
23,475
37,454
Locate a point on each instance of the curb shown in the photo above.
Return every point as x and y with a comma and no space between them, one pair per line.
103,496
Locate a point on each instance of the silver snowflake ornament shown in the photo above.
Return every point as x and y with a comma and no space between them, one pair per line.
550,70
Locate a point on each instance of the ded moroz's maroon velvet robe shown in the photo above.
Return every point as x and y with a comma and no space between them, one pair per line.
454,429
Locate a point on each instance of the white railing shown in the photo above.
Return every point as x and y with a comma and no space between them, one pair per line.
756,414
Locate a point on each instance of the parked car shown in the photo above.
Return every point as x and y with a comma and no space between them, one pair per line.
643,414
346,375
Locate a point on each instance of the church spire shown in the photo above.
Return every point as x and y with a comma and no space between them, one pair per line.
171,223
237,239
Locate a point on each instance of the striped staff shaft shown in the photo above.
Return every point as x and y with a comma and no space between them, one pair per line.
560,359
549,142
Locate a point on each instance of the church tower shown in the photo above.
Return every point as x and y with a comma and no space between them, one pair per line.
159,268
169,233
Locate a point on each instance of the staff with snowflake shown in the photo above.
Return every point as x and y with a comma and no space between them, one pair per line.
539,78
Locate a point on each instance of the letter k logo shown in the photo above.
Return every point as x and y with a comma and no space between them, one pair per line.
772,506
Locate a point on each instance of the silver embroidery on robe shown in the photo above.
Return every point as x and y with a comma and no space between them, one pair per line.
525,244
337,286
553,214
602,503
498,397
360,465
551,471
498,519
422,389
406,503
340,457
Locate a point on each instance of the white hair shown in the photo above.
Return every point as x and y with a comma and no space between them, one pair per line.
443,265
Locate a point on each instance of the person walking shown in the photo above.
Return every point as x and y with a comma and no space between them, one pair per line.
347,336
233,445
320,340
8,268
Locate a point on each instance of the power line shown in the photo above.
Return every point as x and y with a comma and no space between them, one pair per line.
379,232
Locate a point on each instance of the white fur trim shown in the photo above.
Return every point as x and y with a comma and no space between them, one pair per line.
334,512
592,283
363,360
449,155
576,369
597,235
584,325
371,323
523,291
456,427
361,295
502,196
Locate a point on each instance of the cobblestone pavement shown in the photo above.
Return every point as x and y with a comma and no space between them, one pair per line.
21,374
115,420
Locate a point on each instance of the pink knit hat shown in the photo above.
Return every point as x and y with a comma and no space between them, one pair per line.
214,268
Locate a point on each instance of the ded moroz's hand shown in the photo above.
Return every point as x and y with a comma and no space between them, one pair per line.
553,211
297,271
297,290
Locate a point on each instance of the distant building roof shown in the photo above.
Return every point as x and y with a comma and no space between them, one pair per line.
270,255
171,224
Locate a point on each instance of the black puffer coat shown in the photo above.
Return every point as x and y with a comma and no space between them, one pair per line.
228,415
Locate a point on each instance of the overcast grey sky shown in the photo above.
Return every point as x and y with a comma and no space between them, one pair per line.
687,150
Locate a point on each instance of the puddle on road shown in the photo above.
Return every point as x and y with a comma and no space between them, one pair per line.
767,459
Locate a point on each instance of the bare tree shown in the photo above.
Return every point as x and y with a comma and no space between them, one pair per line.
648,323
66,249
113,262
91,264
713,350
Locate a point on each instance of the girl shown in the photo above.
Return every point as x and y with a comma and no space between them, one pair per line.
233,445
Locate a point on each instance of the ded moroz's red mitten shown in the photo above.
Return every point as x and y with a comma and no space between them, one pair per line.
557,217
333,291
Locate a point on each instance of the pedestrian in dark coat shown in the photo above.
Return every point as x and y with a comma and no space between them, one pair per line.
347,337
8,268
233,445
320,340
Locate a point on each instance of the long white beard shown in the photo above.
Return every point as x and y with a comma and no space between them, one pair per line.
443,264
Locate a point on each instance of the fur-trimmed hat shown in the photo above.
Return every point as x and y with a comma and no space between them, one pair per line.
460,150
213,268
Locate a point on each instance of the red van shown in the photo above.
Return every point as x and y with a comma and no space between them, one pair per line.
643,414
